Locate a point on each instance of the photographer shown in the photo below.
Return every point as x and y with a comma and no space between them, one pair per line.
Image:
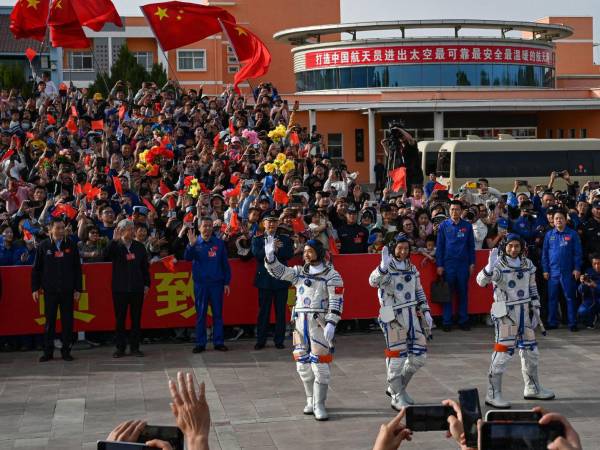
589,290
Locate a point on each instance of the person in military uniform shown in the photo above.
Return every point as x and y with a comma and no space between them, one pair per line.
270,289
57,272
353,237
590,233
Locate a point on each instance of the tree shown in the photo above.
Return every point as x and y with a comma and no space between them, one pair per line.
127,68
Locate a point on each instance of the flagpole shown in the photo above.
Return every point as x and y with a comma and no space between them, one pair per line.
235,53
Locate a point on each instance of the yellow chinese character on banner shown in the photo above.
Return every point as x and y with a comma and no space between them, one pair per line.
79,313
176,290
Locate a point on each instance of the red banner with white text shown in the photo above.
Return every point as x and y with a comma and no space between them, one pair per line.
170,302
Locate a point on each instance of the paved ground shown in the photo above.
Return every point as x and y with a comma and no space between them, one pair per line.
256,399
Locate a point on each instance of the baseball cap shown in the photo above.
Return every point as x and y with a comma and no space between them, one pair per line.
596,204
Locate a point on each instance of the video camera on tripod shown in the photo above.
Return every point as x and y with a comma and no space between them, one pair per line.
401,150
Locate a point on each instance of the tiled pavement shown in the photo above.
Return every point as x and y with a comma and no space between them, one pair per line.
256,398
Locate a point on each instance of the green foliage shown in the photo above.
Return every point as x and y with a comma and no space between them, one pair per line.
127,69
12,76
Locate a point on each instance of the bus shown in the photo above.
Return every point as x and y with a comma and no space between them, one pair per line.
504,161
428,151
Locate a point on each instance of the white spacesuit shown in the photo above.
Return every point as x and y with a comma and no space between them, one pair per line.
319,303
515,313
401,296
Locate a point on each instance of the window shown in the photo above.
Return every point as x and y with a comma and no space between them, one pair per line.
82,61
548,133
571,133
232,69
191,60
583,133
231,58
560,133
144,59
334,145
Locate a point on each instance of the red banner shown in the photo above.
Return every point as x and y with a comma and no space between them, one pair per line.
422,54
170,302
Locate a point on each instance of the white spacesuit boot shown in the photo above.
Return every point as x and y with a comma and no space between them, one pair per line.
494,392
308,378
498,366
411,365
529,367
319,397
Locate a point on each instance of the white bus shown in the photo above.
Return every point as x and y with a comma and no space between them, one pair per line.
428,151
503,161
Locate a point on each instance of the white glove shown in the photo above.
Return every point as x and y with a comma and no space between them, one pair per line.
329,333
428,319
270,248
385,259
492,260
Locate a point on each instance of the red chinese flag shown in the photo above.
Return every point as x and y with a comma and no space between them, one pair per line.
50,119
280,196
94,14
77,190
234,223
149,205
298,225
234,179
439,187
28,19
176,24
216,140
171,203
253,54
332,247
399,178
92,194
118,186
122,111
74,111
231,127
64,209
163,188
27,235
294,139
237,190
30,53
65,29
98,124
169,263
7,154
71,125
189,217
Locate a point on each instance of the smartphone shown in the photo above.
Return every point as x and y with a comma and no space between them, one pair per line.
428,417
522,182
516,415
172,435
107,445
519,435
471,413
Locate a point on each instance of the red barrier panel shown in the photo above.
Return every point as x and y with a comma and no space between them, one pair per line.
170,302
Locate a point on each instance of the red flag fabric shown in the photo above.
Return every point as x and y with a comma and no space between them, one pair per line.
280,196
27,235
332,247
28,19
66,209
65,29
237,190
122,111
163,188
231,127
92,194
169,263
74,111
234,223
30,53
71,125
216,140
189,217
171,203
294,139
253,54
7,154
439,187
176,24
77,190
98,124
234,179
399,178
50,119
298,225
149,205
94,14
118,186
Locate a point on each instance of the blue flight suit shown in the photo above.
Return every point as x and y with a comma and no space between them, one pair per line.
211,273
561,255
525,227
590,306
455,252
270,289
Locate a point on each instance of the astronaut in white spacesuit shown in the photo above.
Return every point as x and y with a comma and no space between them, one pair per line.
318,309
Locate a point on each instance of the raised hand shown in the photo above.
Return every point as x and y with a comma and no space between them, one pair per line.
385,258
270,248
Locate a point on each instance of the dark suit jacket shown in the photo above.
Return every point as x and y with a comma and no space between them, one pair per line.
263,280
56,271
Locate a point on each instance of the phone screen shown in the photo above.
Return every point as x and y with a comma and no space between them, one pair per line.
172,435
428,417
471,413
513,416
105,445
519,435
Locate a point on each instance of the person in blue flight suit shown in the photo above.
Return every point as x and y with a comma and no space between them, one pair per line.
561,265
589,290
524,225
455,260
270,289
212,275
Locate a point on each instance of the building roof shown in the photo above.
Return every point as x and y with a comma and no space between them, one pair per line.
539,31
11,46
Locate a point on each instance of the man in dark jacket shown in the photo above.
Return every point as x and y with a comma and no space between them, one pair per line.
271,289
130,283
57,271
353,237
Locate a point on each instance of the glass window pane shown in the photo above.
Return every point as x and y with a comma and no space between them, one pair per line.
359,77
485,74
345,78
493,164
430,75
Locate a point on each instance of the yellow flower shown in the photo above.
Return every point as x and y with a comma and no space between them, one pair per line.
269,168
143,155
194,190
281,157
289,165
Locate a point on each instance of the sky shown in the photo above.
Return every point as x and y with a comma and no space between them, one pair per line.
372,10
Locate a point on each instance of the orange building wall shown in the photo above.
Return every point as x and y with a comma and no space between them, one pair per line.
143,45
569,119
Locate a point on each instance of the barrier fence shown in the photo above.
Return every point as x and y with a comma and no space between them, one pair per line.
170,301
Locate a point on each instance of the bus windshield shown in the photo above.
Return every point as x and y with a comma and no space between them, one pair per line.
443,164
